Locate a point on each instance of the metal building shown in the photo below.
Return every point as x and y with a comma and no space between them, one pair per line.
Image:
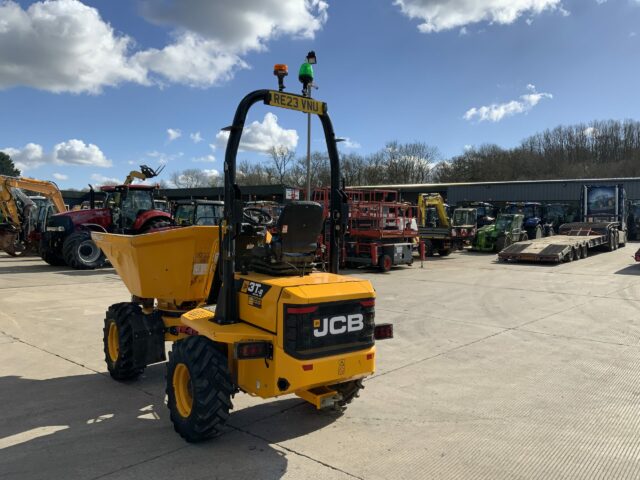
564,191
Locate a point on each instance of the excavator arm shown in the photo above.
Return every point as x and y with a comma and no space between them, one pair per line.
47,189
426,200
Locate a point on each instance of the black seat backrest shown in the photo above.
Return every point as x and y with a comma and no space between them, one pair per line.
298,227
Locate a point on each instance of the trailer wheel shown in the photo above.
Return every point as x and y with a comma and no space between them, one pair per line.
584,251
385,263
199,389
118,341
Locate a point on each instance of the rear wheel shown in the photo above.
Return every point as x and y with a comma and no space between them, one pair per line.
443,252
385,263
118,341
80,252
155,224
199,389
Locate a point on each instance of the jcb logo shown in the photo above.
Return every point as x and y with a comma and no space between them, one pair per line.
338,325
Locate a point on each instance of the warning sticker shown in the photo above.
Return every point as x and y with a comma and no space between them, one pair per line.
200,269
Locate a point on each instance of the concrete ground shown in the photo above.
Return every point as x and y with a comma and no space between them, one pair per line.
497,371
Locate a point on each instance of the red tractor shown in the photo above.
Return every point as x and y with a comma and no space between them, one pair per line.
128,209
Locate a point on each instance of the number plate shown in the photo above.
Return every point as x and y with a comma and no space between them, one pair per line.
296,102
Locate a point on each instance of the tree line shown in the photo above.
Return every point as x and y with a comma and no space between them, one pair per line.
597,149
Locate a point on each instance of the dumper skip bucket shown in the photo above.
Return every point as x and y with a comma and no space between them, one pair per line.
175,265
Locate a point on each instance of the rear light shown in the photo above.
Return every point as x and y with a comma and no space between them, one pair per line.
383,331
368,303
301,310
249,350
307,367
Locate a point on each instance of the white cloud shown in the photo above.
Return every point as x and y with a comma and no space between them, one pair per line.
76,152
28,157
205,159
262,136
60,176
439,15
173,134
497,111
196,137
241,25
191,60
62,46
66,46
102,180
350,144
71,152
163,158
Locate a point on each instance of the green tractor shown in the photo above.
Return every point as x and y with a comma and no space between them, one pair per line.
507,230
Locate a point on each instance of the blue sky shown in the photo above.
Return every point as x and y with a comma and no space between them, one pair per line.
90,90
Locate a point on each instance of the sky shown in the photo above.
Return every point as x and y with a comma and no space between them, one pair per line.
90,90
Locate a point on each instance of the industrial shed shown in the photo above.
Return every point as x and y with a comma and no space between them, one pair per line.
564,191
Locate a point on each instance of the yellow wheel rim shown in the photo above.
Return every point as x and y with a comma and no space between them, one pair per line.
182,390
113,343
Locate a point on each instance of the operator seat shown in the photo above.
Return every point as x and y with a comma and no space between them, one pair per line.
294,242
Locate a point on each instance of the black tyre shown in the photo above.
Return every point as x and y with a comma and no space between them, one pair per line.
349,391
155,224
50,256
524,237
118,341
385,263
443,252
502,243
428,248
81,253
199,389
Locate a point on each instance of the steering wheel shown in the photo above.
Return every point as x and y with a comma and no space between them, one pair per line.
257,216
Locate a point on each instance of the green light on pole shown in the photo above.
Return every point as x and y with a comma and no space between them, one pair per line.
305,75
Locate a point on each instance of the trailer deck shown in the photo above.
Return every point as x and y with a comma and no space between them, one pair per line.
572,243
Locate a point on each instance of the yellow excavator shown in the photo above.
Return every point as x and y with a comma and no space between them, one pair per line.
22,219
434,227
246,313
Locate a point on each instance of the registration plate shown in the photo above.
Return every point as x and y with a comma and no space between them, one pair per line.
296,102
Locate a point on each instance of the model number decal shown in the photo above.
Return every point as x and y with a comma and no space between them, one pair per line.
254,289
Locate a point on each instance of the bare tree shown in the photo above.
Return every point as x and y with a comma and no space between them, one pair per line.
281,158
191,178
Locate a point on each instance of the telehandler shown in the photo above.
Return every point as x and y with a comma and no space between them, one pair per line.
508,229
245,313
22,223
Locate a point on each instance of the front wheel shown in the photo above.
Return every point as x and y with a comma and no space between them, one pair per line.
118,341
199,389
443,252
385,263
81,252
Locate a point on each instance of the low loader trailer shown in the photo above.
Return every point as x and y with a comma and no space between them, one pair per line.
603,226
572,243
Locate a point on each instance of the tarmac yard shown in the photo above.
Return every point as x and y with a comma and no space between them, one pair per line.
496,371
